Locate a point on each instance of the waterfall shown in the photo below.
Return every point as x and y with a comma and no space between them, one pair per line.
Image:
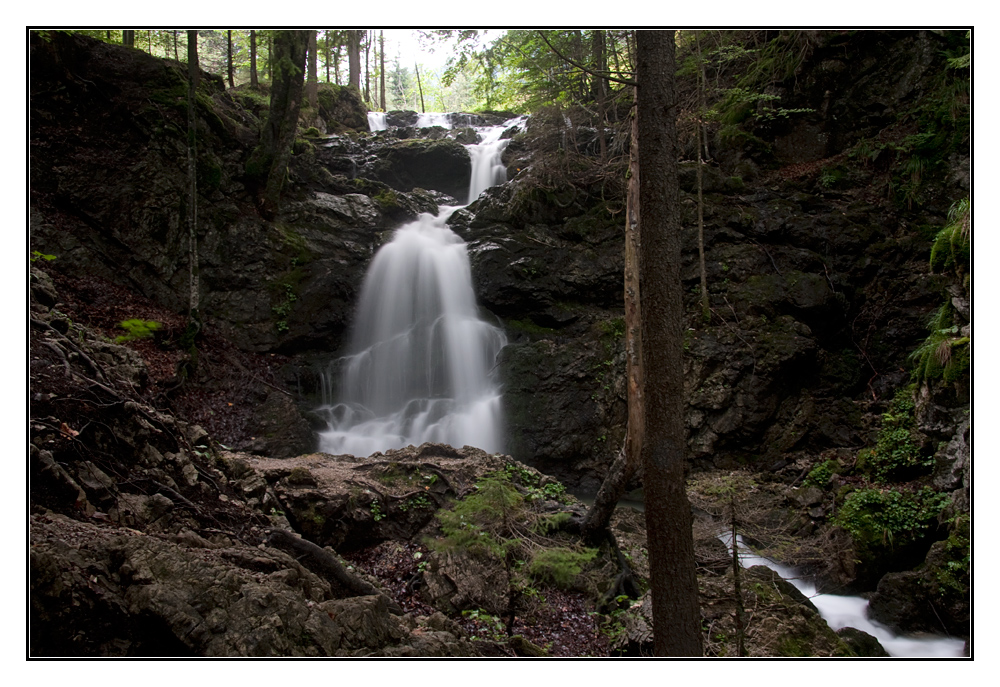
421,361
441,119
487,169
851,611
376,121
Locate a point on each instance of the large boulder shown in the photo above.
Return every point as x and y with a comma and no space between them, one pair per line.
442,165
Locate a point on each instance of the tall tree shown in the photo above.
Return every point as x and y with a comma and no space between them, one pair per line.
326,52
253,58
674,586
312,92
381,67
128,37
368,45
270,159
229,56
416,70
194,319
354,58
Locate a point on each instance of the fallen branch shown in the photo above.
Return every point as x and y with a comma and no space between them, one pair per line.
325,564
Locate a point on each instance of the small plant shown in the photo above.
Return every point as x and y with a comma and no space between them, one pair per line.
36,256
559,566
889,518
376,511
896,454
137,329
821,474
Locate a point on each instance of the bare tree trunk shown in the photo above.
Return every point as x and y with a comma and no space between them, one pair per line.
602,90
706,313
336,64
419,87
740,624
192,199
128,37
176,55
381,57
270,159
326,46
312,87
627,464
368,75
229,56
354,58
674,586
253,58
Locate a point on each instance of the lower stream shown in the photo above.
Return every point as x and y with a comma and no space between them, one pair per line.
852,611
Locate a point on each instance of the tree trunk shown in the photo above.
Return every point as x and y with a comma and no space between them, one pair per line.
176,55
368,45
676,618
628,462
354,58
229,56
381,70
601,66
312,92
326,52
420,88
706,312
270,158
270,57
128,38
253,58
740,624
336,64
192,172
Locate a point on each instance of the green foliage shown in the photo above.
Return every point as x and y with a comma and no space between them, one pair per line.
897,454
480,523
952,244
953,576
387,199
36,256
945,353
138,329
883,519
821,474
560,566
376,510
284,308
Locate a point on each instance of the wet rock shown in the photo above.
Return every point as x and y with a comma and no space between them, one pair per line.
862,643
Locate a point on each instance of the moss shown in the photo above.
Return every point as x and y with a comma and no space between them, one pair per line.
528,327
386,199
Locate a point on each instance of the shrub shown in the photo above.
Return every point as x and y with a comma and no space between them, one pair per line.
896,454
879,519
821,474
137,329
559,566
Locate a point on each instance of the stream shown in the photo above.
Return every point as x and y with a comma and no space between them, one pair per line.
852,611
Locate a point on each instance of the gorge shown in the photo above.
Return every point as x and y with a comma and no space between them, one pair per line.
435,315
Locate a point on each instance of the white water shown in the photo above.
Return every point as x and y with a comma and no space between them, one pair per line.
421,361
487,169
441,119
376,121
852,611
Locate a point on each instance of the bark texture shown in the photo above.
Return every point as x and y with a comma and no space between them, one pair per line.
676,619
271,157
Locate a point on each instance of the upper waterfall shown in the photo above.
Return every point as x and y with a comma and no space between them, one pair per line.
421,358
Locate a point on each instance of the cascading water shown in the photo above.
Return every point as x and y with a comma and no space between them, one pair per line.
421,361
376,121
851,611
487,168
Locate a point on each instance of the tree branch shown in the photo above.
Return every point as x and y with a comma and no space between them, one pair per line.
603,75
